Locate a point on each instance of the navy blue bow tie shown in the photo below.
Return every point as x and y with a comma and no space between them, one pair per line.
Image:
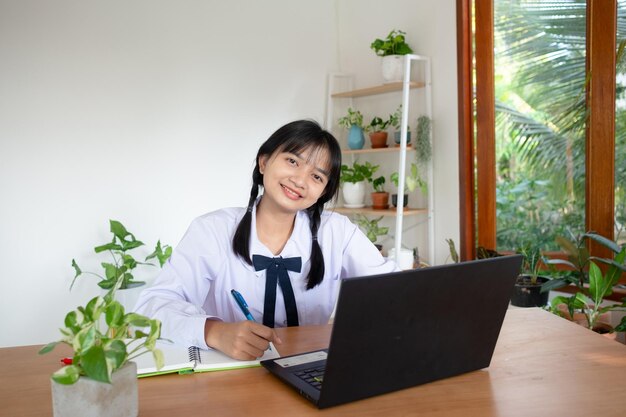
277,273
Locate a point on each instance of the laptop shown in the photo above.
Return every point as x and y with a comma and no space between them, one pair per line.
398,330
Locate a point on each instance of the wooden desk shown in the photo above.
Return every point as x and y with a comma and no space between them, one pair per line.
543,365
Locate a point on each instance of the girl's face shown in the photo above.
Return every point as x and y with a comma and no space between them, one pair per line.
294,182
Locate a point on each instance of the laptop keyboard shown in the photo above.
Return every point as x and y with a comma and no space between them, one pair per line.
313,376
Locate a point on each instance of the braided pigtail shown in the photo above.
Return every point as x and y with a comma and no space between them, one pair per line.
316,274
241,240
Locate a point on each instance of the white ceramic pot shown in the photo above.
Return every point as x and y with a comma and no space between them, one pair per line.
89,398
405,260
392,68
354,194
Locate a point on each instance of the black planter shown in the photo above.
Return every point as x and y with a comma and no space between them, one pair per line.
394,200
525,294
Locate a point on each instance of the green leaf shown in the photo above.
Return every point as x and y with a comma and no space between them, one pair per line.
118,230
596,284
74,320
155,333
559,262
85,339
78,272
109,246
111,271
114,314
158,358
132,244
608,243
553,284
48,348
621,327
115,353
136,320
95,364
67,375
134,284
94,308
106,284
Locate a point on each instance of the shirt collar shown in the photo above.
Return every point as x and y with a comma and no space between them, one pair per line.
298,244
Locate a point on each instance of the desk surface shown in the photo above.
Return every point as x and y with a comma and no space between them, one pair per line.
543,365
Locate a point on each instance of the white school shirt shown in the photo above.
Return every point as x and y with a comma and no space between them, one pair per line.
196,281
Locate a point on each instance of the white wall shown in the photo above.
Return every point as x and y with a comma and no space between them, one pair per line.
150,112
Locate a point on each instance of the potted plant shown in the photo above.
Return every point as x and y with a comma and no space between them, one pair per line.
411,182
589,304
353,180
371,229
391,49
394,121
380,197
527,291
377,133
353,121
100,379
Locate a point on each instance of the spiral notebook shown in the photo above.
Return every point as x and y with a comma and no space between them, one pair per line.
179,359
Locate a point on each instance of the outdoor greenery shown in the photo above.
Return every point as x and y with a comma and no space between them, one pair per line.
541,118
123,262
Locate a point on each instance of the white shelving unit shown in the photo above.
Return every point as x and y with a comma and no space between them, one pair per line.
345,84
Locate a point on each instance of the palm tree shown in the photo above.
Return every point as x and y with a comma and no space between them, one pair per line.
540,99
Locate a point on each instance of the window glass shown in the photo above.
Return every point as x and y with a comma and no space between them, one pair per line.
540,121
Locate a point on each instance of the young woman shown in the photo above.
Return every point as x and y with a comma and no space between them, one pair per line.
283,253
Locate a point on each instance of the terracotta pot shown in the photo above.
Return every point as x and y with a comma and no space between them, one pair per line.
380,201
379,139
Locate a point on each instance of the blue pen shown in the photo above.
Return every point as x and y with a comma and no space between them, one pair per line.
242,304
244,307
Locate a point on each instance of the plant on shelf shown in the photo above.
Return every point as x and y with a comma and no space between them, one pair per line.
423,148
380,197
394,121
353,180
411,182
353,121
393,44
593,285
391,49
123,265
104,339
371,228
377,133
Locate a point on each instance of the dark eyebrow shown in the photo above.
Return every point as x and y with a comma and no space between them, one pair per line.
323,171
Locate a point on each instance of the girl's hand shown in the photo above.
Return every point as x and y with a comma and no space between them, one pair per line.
244,340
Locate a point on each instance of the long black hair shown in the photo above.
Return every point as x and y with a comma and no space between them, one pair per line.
295,137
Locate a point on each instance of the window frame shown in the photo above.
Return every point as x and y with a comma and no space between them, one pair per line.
477,164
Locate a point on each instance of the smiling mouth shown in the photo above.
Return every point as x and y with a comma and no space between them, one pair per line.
291,193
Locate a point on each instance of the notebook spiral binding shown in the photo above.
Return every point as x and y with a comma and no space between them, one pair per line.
194,353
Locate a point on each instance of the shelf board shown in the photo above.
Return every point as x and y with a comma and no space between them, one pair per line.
376,150
379,89
388,212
